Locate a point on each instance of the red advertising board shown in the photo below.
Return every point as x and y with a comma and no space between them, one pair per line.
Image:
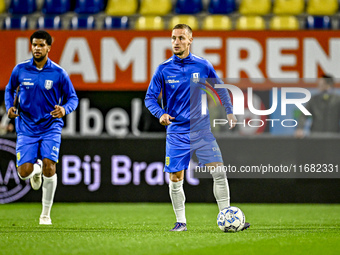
126,60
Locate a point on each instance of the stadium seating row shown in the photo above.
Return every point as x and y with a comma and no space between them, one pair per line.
210,22
164,7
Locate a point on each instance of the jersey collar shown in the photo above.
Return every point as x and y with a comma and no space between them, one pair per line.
188,59
47,64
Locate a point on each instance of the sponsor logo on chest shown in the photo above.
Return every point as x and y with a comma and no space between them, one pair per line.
172,81
27,83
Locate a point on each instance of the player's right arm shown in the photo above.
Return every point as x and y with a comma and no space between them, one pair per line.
9,93
151,102
154,89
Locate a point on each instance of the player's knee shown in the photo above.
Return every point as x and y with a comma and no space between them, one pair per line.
49,170
25,170
23,175
175,179
177,176
218,173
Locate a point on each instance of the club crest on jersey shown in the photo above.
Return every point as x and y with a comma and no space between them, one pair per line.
48,84
195,77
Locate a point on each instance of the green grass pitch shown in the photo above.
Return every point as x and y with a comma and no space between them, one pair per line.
142,228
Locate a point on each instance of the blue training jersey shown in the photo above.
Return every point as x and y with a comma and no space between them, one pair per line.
39,91
181,96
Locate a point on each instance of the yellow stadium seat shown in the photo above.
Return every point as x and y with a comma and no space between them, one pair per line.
255,7
121,7
217,22
292,7
155,7
322,7
284,23
2,6
250,23
149,23
190,20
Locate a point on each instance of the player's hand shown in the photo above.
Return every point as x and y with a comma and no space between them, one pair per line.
58,111
231,120
165,119
12,112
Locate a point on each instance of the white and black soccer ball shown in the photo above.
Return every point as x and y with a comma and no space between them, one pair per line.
231,219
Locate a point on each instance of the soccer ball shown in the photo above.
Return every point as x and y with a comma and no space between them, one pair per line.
231,219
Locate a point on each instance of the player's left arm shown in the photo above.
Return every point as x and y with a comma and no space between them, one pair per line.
70,96
224,96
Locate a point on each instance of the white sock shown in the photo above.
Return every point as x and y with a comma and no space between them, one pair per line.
36,170
221,188
178,200
48,189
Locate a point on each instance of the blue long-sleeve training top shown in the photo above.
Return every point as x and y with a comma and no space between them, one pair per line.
39,91
182,82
